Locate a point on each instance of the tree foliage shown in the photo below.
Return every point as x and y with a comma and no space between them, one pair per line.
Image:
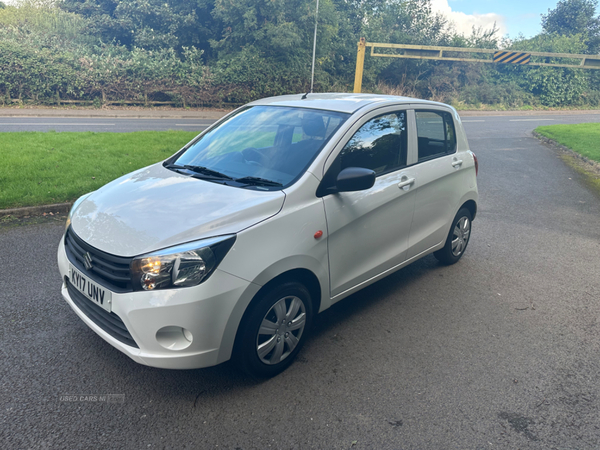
575,17
150,24
213,51
572,17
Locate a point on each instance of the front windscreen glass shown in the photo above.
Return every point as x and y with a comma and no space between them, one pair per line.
262,147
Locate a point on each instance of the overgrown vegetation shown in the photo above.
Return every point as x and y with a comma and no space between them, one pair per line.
44,168
210,52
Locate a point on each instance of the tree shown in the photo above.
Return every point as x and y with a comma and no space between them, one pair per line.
150,24
554,86
393,21
282,29
571,17
266,46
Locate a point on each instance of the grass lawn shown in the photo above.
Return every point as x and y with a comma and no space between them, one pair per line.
583,138
43,168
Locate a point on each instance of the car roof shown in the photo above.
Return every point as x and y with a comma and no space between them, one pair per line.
346,103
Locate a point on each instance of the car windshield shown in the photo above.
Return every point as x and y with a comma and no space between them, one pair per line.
261,147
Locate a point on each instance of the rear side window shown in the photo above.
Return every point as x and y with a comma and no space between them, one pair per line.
436,134
379,145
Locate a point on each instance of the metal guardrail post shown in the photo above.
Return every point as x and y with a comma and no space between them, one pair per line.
360,64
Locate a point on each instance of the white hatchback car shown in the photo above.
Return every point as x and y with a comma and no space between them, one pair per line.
282,208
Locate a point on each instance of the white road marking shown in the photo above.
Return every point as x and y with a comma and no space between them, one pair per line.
527,120
58,124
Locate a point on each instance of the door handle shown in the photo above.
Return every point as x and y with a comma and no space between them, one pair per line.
406,184
457,163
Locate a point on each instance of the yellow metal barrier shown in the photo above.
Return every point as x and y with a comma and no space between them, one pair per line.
486,55
360,64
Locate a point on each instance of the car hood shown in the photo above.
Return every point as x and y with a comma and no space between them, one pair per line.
155,208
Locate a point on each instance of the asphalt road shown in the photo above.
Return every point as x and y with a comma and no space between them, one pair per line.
501,350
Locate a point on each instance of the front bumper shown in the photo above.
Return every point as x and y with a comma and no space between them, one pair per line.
211,312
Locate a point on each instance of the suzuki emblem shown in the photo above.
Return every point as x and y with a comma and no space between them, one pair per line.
87,260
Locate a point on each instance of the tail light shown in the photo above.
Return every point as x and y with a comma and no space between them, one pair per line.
476,163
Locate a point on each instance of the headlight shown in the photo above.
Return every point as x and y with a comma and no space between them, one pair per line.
74,207
181,266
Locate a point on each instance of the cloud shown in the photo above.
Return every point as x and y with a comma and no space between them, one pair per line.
464,23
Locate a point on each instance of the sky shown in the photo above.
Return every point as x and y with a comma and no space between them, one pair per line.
512,17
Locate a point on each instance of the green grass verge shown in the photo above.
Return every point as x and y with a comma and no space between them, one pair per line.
43,168
583,138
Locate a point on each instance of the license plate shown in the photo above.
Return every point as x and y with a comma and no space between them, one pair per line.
93,291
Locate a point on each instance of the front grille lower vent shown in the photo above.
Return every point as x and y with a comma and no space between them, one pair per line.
109,322
108,270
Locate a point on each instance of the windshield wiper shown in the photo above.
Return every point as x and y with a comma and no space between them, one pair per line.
206,171
256,181
200,170
175,167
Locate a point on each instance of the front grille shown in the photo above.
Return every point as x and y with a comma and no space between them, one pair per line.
108,270
109,322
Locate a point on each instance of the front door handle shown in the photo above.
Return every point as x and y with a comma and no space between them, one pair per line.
457,163
406,183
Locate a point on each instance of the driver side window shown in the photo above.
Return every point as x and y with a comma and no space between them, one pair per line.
379,145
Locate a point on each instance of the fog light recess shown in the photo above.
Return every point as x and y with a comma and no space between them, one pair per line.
174,338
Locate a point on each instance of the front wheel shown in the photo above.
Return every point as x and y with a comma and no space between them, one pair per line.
457,240
274,330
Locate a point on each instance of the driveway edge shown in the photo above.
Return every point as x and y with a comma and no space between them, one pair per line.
594,167
42,210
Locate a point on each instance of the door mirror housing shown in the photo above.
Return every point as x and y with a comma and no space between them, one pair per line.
355,179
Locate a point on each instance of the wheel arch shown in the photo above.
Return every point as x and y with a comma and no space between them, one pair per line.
276,274
301,275
471,205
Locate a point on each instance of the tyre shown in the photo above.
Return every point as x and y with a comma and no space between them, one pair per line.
273,330
458,238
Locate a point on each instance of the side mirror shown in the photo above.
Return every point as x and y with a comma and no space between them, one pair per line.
355,179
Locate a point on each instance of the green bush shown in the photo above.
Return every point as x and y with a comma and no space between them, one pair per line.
43,59
34,71
247,76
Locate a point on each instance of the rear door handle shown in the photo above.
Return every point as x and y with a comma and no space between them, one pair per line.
457,163
406,184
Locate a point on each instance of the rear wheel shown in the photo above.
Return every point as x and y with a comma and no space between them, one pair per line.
457,240
274,330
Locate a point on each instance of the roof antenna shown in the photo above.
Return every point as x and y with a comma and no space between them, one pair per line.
304,96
